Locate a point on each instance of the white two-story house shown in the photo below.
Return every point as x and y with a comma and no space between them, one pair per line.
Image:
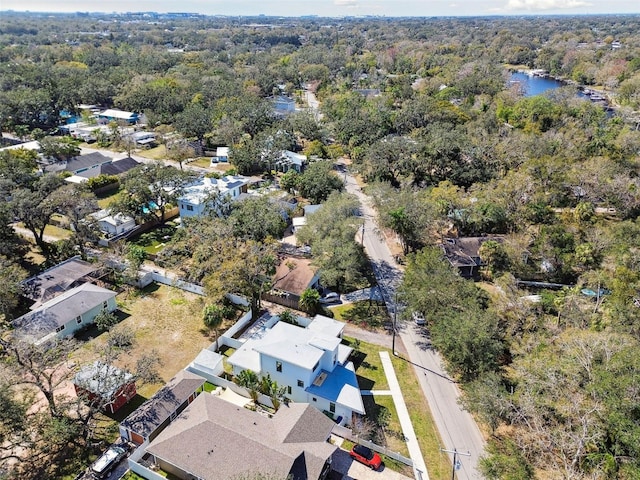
311,362
198,196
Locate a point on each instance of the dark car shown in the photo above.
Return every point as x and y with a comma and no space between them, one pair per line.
102,467
366,456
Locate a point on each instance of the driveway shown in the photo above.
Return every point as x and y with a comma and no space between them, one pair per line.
344,465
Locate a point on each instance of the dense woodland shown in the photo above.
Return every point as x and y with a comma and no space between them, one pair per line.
447,147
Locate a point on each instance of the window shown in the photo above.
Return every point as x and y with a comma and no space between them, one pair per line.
332,407
289,389
78,319
190,208
60,328
314,399
278,366
316,366
300,383
104,305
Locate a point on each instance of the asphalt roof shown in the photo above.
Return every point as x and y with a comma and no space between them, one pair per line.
57,279
60,310
217,440
86,161
152,413
117,167
293,275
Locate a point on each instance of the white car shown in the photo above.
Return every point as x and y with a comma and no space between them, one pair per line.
418,318
331,297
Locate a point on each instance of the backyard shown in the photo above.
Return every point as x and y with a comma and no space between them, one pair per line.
165,321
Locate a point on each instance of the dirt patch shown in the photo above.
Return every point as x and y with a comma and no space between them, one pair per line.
164,320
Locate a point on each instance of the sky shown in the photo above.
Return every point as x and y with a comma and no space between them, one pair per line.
335,8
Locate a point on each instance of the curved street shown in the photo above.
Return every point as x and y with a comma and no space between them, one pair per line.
457,427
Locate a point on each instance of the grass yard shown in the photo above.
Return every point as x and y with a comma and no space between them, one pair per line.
371,375
365,314
57,232
156,153
164,320
202,162
104,199
155,240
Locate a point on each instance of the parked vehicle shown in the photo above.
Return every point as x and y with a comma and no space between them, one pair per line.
329,298
366,456
102,467
418,318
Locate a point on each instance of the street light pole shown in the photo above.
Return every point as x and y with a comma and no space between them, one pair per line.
456,462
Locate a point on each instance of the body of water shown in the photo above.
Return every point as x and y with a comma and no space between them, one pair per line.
532,85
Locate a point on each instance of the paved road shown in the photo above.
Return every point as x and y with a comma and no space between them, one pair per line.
456,426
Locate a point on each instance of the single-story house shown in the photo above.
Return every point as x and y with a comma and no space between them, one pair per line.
114,224
105,386
283,105
113,114
155,414
464,253
116,167
291,161
299,222
143,139
196,198
217,440
294,275
222,155
83,163
58,279
65,314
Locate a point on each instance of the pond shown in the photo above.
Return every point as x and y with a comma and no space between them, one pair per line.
534,85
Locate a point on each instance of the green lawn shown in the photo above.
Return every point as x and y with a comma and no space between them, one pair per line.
104,199
365,314
156,153
371,375
203,162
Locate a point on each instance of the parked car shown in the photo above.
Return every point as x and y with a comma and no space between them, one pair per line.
418,318
102,467
366,456
331,297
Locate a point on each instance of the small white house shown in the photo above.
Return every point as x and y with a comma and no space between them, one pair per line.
311,362
113,225
65,314
197,196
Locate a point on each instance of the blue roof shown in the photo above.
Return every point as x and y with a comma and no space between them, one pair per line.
340,386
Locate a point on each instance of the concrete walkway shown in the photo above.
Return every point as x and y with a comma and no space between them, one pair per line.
419,466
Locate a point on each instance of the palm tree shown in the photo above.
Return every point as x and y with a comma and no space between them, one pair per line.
212,316
310,300
249,380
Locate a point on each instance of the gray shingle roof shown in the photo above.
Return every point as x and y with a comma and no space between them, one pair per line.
57,279
217,440
152,413
61,310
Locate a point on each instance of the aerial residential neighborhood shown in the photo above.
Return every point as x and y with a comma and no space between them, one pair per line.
352,247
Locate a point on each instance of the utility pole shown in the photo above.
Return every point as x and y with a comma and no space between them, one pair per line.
456,462
395,316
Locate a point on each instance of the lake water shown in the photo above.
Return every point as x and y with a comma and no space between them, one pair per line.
534,85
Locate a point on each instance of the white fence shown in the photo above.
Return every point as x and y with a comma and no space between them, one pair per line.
345,432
